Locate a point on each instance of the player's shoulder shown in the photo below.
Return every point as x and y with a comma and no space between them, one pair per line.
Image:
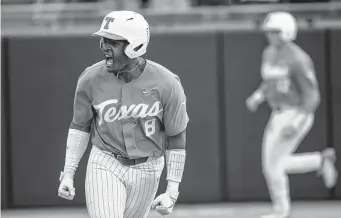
92,71
269,53
299,56
162,73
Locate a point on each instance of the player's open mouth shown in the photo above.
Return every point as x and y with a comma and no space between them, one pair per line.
109,61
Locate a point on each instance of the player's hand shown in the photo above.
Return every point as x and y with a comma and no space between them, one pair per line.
289,132
164,204
66,189
252,103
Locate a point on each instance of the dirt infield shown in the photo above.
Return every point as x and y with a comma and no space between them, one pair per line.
321,209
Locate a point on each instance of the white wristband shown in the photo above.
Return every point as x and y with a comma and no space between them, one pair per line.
175,160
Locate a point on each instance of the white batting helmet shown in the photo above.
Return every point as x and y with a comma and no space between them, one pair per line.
127,25
283,22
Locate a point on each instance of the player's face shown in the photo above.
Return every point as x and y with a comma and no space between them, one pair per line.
113,51
273,37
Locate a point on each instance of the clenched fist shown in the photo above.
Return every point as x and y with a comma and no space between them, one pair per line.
164,203
252,103
66,189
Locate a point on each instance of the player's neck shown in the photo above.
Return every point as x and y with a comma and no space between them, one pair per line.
282,46
130,67
131,71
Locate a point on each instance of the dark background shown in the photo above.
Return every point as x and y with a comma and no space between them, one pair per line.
218,71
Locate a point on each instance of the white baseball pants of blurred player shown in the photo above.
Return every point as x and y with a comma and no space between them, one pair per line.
278,158
115,191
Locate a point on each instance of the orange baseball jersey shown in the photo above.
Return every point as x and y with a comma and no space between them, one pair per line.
132,119
283,74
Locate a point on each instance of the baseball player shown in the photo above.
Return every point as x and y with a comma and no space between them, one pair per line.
135,112
291,90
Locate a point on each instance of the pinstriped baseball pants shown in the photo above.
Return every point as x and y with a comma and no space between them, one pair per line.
113,190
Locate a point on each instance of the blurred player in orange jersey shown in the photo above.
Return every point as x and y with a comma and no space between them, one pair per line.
291,90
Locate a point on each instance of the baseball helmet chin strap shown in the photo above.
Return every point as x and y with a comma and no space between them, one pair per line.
128,71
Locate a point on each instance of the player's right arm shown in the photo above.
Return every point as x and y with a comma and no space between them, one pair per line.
258,96
260,92
78,136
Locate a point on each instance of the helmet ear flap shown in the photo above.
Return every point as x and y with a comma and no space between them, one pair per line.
136,48
101,43
139,46
289,34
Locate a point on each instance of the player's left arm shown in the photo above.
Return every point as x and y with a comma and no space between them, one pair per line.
304,75
175,159
175,119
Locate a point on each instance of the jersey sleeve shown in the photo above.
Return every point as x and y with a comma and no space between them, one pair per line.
82,108
175,117
304,73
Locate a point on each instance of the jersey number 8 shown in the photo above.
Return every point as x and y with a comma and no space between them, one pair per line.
283,85
149,127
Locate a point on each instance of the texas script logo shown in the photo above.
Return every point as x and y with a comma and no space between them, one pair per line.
111,113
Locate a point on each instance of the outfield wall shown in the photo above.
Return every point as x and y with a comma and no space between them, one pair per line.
224,140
